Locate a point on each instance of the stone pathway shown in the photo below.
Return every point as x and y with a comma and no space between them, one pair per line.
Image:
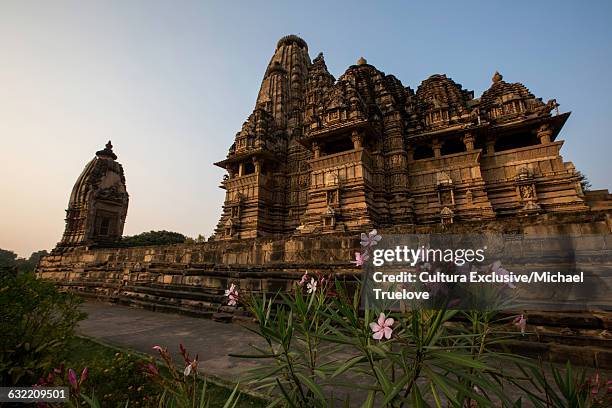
140,330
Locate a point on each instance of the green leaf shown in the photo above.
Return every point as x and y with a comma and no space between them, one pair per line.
377,350
349,364
417,398
233,399
434,394
288,399
369,402
314,387
462,360
399,386
382,379
93,401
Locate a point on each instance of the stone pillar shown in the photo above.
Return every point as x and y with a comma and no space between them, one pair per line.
437,146
357,139
410,154
468,140
490,146
257,164
544,133
316,149
240,169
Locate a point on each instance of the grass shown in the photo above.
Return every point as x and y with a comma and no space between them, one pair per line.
115,376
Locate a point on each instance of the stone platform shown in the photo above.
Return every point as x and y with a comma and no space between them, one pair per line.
190,279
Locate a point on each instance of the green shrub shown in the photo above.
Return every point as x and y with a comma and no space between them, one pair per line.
36,322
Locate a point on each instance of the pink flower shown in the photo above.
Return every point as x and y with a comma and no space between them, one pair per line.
520,322
360,258
84,375
382,327
232,295
304,279
158,348
371,239
312,286
190,367
72,378
498,270
152,369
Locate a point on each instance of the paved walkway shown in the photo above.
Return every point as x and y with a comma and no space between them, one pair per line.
140,330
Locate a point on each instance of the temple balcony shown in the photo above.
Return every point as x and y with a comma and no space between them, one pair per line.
344,167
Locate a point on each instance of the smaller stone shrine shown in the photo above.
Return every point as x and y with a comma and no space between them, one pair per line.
98,203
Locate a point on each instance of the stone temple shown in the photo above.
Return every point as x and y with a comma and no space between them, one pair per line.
319,155
319,161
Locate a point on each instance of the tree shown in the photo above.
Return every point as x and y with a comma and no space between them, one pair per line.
154,238
7,258
28,265
584,182
10,261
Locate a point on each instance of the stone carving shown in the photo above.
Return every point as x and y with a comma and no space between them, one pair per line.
446,216
527,192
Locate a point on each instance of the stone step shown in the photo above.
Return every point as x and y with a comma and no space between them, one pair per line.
166,308
583,355
214,296
171,301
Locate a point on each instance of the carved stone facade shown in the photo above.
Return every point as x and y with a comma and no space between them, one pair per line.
320,155
98,203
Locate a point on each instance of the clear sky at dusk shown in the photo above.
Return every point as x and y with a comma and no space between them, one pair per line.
170,83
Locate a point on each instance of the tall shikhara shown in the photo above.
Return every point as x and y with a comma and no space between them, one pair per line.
323,155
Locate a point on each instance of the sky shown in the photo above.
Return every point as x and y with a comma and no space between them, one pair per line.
170,83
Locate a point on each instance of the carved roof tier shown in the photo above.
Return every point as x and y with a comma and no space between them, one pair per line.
441,102
505,101
362,93
300,101
259,136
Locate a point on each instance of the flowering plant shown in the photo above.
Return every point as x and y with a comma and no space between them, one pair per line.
60,376
318,344
181,386
232,295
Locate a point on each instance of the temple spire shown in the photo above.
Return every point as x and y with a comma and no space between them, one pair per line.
107,152
282,89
